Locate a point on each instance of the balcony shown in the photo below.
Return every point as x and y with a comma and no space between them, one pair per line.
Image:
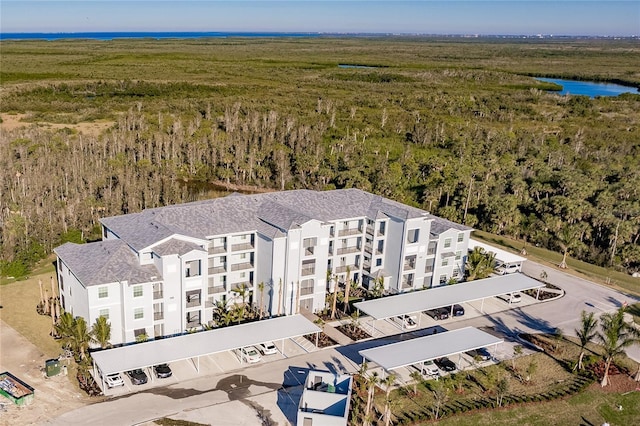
216,289
370,229
341,269
238,286
242,246
157,316
241,266
306,290
350,231
431,251
368,249
157,294
409,266
428,269
308,271
193,324
217,249
218,269
347,250
407,283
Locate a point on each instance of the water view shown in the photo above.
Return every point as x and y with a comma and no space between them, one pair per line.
589,88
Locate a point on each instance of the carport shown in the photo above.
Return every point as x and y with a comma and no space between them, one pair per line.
402,354
501,256
193,346
446,296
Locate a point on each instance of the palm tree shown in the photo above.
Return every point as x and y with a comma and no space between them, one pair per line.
335,294
388,382
371,381
585,333
64,328
440,396
242,291
80,337
417,379
566,239
347,290
479,264
261,288
101,332
616,335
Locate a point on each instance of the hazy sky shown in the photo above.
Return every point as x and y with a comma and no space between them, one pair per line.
559,17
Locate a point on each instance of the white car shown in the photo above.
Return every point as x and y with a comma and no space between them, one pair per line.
504,269
511,297
428,369
248,354
267,348
113,380
407,321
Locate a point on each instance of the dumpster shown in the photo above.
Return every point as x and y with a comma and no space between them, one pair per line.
52,367
15,389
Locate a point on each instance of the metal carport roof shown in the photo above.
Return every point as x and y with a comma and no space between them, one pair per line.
401,354
193,345
501,255
416,301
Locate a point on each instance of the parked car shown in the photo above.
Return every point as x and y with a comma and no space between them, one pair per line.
503,269
428,369
162,371
267,348
481,353
248,354
438,314
406,321
138,377
113,380
458,310
511,297
445,364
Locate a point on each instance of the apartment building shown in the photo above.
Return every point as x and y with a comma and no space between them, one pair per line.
162,271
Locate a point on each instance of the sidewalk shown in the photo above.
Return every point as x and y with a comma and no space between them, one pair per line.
329,330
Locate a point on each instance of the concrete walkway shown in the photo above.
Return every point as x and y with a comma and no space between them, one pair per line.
329,330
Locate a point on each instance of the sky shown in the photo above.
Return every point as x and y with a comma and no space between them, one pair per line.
512,17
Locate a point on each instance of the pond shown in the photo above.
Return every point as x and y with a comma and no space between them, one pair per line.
588,88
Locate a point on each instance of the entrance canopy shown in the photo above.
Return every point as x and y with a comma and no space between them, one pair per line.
194,345
445,296
414,351
502,256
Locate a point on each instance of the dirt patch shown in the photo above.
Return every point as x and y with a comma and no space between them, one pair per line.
53,396
15,121
618,383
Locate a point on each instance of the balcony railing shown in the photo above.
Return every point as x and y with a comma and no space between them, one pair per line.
157,294
242,246
350,231
341,269
306,290
431,251
216,289
218,269
370,229
407,283
237,286
428,269
158,316
346,250
368,249
308,271
241,266
193,324
195,301
409,265
217,249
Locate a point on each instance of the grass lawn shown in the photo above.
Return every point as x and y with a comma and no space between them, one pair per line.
590,407
578,268
19,300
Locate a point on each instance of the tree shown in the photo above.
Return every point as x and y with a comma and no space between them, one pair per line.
280,297
101,332
531,369
616,335
417,379
502,387
335,294
347,290
567,239
586,332
243,291
261,288
64,328
388,383
440,397
479,264
371,382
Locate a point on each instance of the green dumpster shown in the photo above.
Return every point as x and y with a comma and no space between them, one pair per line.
52,367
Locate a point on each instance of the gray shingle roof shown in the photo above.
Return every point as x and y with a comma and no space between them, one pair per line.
268,213
174,246
440,225
106,262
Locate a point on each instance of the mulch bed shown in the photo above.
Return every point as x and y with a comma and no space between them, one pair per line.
357,334
324,341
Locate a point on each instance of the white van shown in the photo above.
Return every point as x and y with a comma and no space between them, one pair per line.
511,268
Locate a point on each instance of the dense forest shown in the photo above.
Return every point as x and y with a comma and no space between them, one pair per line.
457,127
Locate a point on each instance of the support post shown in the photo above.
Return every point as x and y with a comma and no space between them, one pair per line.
482,306
317,334
538,294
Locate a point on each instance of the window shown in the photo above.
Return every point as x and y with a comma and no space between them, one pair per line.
61,283
460,237
445,261
192,269
458,255
381,228
413,235
447,243
139,332
137,291
456,273
443,279
138,313
104,313
308,267
380,249
378,262
306,287
62,300
103,292
309,245
243,256
59,265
